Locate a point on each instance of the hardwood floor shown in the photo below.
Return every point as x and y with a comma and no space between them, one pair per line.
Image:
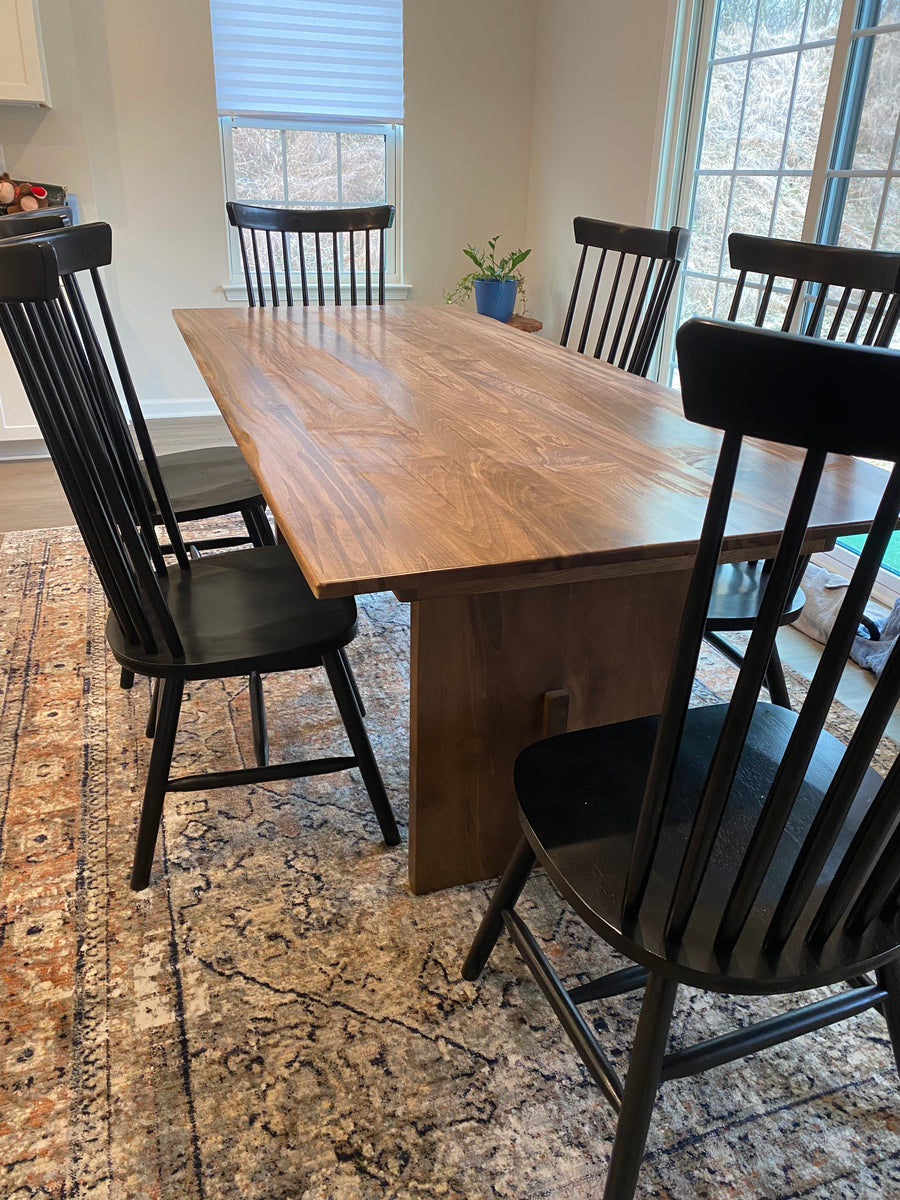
30,494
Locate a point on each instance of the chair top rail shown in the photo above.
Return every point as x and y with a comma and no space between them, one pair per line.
868,270
17,224
299,220
632,239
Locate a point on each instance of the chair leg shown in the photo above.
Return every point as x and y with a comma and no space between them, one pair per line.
351,678
157,779
505,896
888,977
126,679
258,718
726,648
774,671
258,525
153,712
641,1085
775,681
362,748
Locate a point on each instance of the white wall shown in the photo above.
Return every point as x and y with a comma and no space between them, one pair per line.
469,82
133,133
153,148
599,70
520,114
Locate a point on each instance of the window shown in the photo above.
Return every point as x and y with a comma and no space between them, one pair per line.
862,190
793,132
789,126
310,98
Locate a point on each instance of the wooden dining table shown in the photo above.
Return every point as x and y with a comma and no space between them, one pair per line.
537,509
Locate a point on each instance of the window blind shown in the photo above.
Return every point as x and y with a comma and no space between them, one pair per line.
330,60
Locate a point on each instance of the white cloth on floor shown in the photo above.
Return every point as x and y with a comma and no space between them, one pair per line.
874,654
825,593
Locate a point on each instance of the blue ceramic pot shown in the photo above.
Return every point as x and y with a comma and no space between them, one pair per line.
495,298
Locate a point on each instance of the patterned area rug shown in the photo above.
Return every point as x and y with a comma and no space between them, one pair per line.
278,1017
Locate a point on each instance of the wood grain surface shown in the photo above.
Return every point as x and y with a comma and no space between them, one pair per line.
538,509
421,449
481,666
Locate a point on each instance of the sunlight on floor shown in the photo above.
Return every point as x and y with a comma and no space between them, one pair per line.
802,653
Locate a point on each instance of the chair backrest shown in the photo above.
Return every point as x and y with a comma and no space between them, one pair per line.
15,224
276,243
797,392
844,294
60,361
81,250
635,273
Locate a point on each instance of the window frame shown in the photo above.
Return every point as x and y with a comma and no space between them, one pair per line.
837,177
235,288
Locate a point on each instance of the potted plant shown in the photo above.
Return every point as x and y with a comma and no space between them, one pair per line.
495,282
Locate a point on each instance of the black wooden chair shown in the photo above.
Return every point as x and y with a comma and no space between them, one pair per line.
734,847
278,243
634,275
209,481
205,482
819,291
229,614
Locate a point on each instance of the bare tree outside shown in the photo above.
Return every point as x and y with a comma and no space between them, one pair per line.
767,79
309,168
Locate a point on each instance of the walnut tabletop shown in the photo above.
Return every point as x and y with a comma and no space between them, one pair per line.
421,449
538,508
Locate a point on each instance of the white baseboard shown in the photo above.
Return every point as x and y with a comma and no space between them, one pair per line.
200,406
20,449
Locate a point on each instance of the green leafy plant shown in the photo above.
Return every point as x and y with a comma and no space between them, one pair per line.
489,266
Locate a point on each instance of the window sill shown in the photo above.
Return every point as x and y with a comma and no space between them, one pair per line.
237,291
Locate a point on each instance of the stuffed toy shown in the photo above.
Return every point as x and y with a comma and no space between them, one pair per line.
21,197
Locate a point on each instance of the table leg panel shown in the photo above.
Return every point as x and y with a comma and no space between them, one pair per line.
480,667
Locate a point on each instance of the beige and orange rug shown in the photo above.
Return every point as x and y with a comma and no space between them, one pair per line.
277,1017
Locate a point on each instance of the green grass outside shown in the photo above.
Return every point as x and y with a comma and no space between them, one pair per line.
891,558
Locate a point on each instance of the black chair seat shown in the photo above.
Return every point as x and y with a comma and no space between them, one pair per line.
208,482
736,597
239,612
580,795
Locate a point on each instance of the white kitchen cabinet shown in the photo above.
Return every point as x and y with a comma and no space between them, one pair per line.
17,421
23,78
